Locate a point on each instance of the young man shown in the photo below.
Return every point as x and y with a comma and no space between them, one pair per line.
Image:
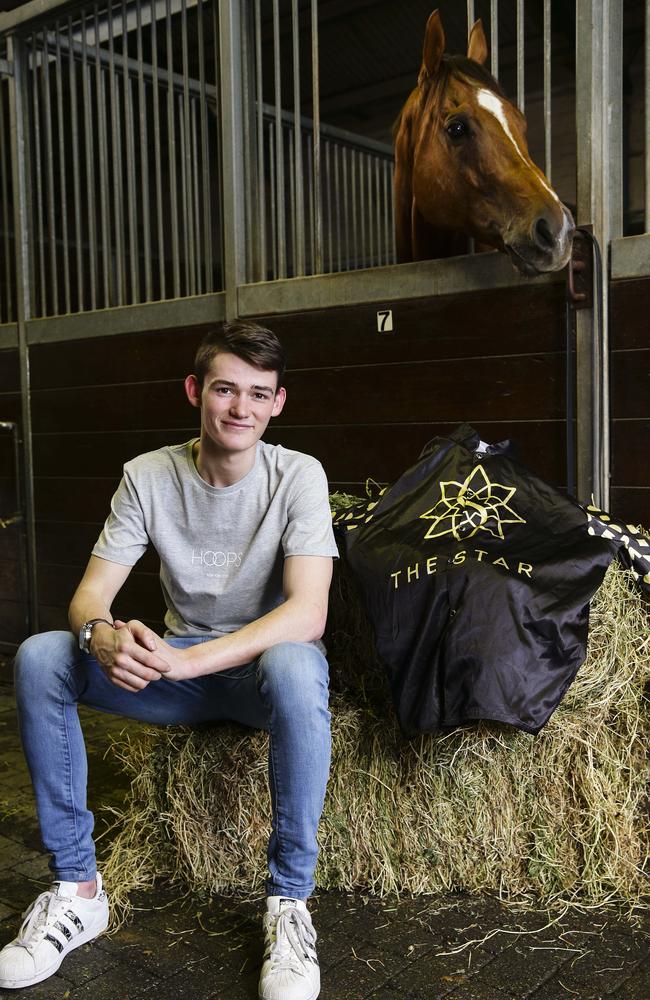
243,531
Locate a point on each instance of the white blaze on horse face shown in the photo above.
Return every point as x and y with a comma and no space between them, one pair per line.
493,103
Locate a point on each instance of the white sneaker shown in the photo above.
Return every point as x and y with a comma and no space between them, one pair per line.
290,970
55,923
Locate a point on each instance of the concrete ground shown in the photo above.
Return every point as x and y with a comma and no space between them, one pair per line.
455,946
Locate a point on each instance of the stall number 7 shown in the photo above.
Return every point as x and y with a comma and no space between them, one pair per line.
385,321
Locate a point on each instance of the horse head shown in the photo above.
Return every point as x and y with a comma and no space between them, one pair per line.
462,166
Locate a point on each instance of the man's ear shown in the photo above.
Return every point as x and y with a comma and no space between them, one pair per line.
193,390
279,401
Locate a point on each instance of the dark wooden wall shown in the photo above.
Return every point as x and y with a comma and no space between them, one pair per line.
12,596
364,403
630,403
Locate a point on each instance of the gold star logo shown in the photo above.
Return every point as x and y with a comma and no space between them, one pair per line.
475,505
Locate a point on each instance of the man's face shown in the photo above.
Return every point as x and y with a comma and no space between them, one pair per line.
236,401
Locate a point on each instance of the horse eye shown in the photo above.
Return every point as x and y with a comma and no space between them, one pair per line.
456,129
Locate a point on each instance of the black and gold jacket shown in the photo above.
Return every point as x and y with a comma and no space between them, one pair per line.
477,577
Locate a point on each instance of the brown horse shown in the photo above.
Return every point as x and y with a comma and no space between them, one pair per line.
462,167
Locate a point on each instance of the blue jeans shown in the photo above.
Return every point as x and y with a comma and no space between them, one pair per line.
284,691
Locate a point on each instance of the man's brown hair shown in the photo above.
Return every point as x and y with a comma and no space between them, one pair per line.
251,342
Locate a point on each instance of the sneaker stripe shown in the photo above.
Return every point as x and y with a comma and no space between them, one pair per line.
67,933
57,944
74,919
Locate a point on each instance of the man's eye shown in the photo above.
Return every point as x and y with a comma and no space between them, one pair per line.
456,129
223,390
261,396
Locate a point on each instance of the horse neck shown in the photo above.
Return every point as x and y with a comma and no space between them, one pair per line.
431,243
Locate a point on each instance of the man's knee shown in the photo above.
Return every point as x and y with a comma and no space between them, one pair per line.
292,673
41,660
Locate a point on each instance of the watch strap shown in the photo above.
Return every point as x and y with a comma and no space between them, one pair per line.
86,631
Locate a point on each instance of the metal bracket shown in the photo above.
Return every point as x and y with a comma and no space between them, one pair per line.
580,272
6,522
6,68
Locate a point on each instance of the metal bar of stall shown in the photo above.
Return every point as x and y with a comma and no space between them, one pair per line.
377,212
143,130
63,198
310,207
18,113
116,158
76,178
171,153
259,123
131,201
219,151
206,284
346,205
362,211
328,200
232,152
299,204
107,271
184,200
337,205
89,163
279,146
355,229
272,207
160,232
387,213
49,183
316,142
470,15
367,195
547,88
250,139
42,299
494,38
292,198
521,99
6,314
189,156
196,194
393,235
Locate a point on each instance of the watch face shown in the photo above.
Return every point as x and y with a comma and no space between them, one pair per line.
86,631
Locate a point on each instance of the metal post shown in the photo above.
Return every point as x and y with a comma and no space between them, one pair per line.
494,38
315,113
299,195
521,93
16,54
547,88
599,45
232,152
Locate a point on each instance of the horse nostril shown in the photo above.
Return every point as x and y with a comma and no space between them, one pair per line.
543,235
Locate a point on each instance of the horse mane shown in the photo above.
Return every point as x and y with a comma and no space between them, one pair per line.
434,88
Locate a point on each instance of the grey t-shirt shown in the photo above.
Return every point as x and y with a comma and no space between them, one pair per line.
221,550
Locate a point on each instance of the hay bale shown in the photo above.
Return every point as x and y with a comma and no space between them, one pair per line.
558,819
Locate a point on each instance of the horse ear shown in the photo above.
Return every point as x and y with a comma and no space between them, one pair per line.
434,46
477,46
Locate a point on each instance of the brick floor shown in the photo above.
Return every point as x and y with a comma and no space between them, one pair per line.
210,949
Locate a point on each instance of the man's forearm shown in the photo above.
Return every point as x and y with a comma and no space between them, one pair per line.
85,606
293,621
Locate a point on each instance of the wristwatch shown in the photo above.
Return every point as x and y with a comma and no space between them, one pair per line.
86,631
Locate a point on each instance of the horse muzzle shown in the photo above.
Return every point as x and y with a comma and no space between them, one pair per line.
546,246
